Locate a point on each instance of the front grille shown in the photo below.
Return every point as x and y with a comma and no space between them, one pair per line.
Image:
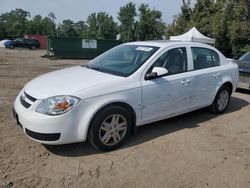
23,100
24,103
30,97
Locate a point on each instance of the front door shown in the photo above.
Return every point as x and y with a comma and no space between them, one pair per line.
168,95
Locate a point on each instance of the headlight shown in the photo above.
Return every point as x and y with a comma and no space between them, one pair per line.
57,105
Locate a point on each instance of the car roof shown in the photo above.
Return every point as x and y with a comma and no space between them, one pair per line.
30,39
167,43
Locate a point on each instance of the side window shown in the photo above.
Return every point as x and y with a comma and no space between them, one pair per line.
19,40
204,58
174,60
245,57
26,41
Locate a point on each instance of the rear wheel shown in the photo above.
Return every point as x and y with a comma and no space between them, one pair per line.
33,47
11,47
110,128
221,100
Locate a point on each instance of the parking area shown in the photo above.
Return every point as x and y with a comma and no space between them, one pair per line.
198,149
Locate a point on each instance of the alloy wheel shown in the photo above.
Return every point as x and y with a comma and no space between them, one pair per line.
223,100
113,129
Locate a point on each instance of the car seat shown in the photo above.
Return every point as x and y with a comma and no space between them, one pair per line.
200,62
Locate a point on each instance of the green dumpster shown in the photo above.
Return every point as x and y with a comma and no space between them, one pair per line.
79,48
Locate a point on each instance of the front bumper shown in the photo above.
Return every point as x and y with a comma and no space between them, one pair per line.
66,128
35,135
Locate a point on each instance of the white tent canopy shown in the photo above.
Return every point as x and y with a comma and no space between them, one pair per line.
193,35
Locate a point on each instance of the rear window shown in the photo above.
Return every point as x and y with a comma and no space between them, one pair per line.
204,58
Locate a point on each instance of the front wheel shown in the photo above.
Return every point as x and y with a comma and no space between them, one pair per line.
110,128
221,100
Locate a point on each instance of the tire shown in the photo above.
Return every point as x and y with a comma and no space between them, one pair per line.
33,48
110,128
221,100
11,47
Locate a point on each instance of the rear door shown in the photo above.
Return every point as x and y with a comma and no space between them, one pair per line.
26,43
207,76
19,42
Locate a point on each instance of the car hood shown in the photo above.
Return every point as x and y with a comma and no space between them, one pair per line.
66,82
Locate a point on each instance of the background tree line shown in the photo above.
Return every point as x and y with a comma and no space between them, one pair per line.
228,21
145,24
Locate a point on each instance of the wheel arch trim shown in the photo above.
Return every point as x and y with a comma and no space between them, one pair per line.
104,105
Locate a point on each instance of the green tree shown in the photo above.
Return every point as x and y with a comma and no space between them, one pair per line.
49,26
67,29
127,16
231,26
202,17
52,17
34,26
228,21
181,22
3,34
81,29
239,25
150,25
220,28
14,23
101,26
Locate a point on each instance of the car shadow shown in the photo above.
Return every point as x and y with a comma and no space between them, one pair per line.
150,131
242,90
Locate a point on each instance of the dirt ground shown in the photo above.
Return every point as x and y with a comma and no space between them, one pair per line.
198,149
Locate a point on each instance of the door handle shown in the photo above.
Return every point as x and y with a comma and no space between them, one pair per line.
185,82
216,75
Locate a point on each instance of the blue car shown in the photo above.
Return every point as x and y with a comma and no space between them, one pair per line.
9,44
23,43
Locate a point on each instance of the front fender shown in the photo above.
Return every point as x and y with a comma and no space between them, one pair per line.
131,97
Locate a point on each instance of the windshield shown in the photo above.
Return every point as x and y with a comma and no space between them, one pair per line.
245,57
123,60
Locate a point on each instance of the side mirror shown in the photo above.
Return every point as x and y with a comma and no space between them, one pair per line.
156,72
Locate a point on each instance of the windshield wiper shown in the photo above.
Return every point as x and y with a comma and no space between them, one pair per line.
86,66
94,68
98,69
102,70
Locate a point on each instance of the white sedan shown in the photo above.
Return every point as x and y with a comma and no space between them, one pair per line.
130,85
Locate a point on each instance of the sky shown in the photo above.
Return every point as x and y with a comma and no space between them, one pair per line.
77,10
